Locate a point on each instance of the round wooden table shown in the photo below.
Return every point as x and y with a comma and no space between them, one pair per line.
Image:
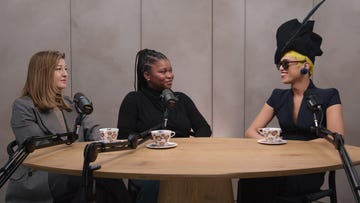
198,169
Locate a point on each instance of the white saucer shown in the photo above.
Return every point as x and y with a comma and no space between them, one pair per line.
165,146
263,141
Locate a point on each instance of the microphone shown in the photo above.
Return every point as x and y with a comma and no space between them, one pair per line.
83,104
313,101
314,105
169,98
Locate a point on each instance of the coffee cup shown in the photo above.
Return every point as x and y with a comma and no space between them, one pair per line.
108,134
161,137
270,134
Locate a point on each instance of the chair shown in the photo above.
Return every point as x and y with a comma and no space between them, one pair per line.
330,192
311,197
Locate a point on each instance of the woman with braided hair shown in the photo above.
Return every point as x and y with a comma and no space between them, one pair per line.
144,109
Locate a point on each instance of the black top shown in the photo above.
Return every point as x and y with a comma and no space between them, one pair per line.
282,102
144,109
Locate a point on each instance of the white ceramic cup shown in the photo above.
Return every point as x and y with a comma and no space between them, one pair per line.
161,137
108,134
270,134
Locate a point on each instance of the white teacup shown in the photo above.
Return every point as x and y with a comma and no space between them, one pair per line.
270,134
108,134
161,137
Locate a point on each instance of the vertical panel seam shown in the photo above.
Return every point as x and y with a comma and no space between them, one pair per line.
140,34
313,17
70,46
244,70
212,64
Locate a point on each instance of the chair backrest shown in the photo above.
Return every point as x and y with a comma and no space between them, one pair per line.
311,197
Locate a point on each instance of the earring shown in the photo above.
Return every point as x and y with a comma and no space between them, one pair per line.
304,71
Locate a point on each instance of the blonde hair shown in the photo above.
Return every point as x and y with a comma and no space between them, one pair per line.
300,57
39,83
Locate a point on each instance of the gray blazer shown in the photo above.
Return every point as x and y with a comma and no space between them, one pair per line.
29,185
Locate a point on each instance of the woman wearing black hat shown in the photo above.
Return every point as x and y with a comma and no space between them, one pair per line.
297,46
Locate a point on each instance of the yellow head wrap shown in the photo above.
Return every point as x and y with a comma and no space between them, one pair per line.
300,57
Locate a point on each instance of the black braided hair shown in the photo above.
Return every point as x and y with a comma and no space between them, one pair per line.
144,60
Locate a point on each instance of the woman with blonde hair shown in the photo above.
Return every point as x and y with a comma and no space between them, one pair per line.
44,110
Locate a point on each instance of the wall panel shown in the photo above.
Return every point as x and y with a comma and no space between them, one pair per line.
105,39
228,68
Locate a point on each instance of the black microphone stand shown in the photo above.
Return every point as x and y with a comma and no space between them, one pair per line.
91,152
30,145
83,107
337,140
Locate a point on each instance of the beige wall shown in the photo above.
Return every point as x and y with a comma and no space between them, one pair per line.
221,50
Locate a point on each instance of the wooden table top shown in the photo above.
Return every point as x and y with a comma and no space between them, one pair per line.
197,158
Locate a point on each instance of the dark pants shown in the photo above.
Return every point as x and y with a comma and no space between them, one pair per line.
259,190
147,191
65,188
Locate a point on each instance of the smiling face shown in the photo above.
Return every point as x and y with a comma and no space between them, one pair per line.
160,75
60,75
290,74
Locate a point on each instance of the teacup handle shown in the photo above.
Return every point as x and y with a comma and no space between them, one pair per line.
172,134
260,130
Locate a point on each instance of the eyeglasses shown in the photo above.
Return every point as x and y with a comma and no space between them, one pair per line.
285,64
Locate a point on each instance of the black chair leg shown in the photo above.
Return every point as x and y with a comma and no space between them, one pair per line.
332,186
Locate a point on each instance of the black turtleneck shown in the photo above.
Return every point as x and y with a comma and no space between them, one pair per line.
144,109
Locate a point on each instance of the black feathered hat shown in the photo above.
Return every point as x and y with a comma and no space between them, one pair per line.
294,36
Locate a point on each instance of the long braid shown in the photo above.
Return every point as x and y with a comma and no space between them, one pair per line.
144,60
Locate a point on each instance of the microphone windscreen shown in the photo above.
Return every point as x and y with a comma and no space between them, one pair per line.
82,103
313,100
169,98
